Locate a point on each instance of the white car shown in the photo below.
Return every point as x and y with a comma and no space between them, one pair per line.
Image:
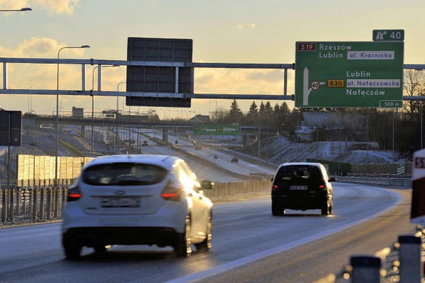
137,200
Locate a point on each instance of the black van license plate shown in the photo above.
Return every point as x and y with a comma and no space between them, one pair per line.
298,188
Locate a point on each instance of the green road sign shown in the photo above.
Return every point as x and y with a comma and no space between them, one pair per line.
349,74
217,130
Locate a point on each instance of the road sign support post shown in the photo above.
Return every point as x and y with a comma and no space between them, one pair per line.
366,269
4,75
422,125
8,152
393,136
410,259
4,204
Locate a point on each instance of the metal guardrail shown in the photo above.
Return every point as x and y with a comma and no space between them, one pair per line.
20,205
401,182
44,203
401,262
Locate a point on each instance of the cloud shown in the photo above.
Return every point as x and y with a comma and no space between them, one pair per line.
246,26
53,6
227,81
38,47
58,6
267,76
13,5
41,76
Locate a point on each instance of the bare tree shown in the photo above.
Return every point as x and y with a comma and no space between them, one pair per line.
414,85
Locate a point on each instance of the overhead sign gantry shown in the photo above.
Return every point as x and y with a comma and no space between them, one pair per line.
328,74
350,74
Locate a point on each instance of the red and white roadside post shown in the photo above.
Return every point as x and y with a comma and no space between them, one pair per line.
410,246
417,213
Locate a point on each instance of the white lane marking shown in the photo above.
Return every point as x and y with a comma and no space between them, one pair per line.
270,252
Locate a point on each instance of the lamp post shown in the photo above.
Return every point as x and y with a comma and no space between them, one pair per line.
92,112
17,10
116,119
57,108
92,104
422,123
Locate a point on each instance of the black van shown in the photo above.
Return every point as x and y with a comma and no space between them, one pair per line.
302,186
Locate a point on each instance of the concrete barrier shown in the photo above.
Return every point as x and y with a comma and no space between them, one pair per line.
239,190
382,181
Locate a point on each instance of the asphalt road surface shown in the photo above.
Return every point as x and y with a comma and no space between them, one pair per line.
249,244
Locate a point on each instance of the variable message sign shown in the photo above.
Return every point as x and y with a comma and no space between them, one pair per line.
10,128
159,79
349,74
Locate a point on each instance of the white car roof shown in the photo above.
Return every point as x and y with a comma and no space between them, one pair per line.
165,161
301,164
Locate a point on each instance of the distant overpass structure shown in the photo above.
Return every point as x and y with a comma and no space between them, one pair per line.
132,121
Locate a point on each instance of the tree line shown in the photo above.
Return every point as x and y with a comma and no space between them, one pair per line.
393,129
278,117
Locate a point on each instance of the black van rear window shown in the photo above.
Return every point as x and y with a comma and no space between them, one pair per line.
298,172
123,174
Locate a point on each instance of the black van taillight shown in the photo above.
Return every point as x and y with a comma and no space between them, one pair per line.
171,192
275,187
74,194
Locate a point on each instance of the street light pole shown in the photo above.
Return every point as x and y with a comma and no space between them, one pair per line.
57,109
92,103
92,112
116,119
422,123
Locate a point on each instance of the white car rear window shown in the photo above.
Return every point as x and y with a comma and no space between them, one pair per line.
123,174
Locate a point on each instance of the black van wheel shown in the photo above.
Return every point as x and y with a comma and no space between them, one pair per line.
100,249
72,249
277,209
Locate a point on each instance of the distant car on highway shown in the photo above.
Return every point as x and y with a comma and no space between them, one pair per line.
302,186
135,200
196,145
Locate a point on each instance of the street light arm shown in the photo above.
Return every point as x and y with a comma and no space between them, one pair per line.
59,51
118,85
100,68
92,78
69,47
17,10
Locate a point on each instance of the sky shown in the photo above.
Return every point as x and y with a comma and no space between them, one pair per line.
232,31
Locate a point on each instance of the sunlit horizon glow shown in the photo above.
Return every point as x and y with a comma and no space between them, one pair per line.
240,31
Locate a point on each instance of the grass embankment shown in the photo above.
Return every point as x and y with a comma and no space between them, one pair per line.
75,151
